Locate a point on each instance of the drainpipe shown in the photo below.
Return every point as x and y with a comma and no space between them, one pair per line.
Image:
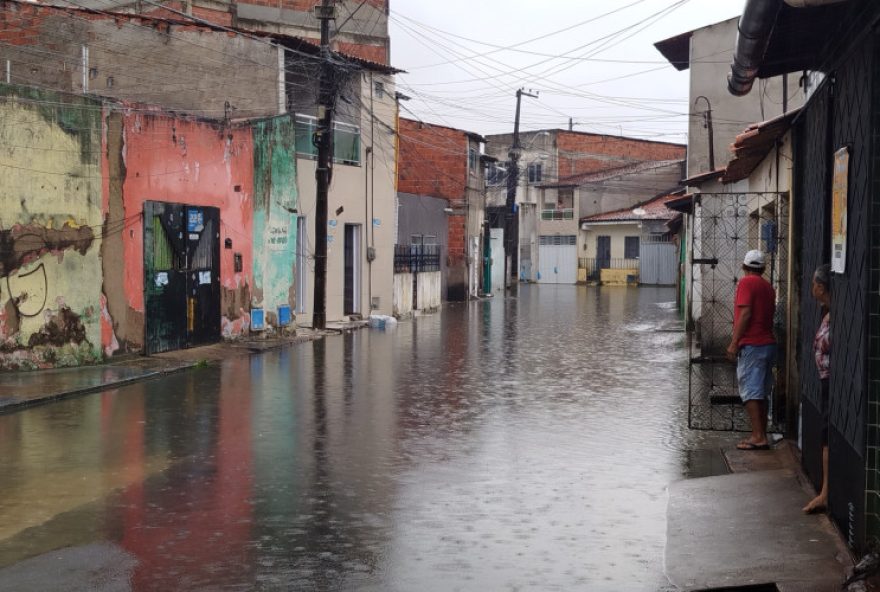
752,38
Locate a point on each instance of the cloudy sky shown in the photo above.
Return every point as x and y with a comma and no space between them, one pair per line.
590,60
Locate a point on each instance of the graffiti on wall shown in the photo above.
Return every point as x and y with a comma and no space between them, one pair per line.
25,285
50,271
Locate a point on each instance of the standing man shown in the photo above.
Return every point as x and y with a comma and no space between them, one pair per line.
753,346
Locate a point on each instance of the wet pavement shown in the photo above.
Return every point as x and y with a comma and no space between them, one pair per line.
519,444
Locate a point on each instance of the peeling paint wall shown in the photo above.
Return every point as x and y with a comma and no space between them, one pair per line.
274,225
196,163
50,229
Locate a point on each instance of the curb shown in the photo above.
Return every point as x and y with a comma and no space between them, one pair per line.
14,404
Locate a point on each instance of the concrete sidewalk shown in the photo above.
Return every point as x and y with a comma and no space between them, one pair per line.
28,388
747,529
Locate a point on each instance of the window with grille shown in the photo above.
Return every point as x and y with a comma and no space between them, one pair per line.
558,240
631,247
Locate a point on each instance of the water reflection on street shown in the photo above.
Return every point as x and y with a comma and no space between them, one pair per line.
519,444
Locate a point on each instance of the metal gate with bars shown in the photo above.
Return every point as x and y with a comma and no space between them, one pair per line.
725,227
181,276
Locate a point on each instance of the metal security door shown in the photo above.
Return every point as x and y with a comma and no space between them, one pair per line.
351,298
496,246
202,275
603,253
726,226
658,262
301,264
164,277
181,276
557,260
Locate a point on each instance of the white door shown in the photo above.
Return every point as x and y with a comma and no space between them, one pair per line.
475,257
557,260
497,251
302,262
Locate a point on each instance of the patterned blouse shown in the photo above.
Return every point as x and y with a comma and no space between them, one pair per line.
822,347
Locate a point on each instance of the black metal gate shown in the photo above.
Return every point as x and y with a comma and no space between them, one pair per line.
725,227
181,276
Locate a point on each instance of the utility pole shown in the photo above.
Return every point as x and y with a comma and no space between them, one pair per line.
323,140
510,250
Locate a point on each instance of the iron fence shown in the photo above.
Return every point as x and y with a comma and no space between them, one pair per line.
416,258
564,214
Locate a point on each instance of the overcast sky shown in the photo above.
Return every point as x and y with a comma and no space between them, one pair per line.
591,60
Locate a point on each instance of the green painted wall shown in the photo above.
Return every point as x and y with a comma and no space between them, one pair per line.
275,202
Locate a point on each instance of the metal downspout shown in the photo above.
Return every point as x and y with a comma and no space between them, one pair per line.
752,38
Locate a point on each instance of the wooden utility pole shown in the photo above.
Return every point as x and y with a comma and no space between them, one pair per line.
323,140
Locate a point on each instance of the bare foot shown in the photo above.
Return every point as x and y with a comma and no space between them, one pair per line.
817,504
753,445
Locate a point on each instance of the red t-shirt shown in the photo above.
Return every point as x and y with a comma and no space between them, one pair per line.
756,292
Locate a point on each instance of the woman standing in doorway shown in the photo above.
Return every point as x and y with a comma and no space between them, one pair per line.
822,353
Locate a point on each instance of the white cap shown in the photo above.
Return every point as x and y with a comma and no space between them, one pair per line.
754,259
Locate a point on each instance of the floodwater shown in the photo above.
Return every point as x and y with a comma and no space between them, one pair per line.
519,444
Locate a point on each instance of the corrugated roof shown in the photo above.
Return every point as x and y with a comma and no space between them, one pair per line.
611,173
653,209
751,146
316,45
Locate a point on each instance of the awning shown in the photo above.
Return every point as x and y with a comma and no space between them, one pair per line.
751,146
700,178
684,204
677,50
800,37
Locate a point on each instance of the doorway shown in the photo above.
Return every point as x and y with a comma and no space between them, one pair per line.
181,276
603,252
302,264
352,251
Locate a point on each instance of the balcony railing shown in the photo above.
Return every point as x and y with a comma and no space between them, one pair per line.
416,258
564,214
595,266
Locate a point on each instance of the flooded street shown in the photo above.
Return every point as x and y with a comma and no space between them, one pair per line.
519,444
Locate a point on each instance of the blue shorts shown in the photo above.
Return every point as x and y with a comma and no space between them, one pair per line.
754,371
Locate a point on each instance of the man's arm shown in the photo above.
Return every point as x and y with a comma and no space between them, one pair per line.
739,329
